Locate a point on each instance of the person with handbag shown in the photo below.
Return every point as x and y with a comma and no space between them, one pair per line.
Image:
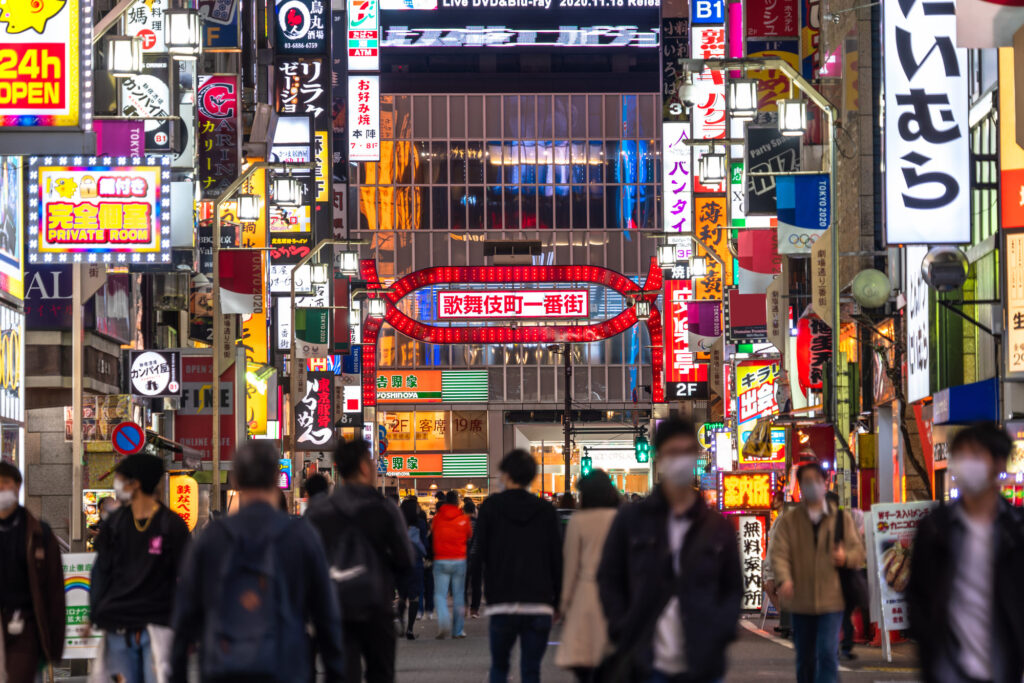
853,580
806,559
670,578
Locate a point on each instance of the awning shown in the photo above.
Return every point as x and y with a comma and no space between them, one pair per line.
967,403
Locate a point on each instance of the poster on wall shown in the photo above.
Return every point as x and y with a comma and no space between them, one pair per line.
80,642
119,213
890,530
193,421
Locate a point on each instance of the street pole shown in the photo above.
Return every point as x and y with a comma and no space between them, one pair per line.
77,387
567,420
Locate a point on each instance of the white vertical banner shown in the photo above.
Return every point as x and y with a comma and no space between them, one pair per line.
363,33
709,115
927,170
364,117
918,385
676,178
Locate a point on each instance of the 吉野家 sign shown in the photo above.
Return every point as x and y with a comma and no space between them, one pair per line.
745,490
121,213
530,303
155,373
44,78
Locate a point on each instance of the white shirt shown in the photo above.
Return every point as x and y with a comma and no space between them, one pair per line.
669,648
971,607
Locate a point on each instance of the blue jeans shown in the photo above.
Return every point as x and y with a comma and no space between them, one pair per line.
451,572
532,630
130,655
816,637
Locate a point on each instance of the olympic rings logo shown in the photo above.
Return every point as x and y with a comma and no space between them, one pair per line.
802,239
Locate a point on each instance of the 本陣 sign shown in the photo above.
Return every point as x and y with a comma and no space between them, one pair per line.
44,76
364,118
926,146
122,213
530,303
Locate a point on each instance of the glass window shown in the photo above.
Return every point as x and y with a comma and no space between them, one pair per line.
421,117
438,117
493,114
562,114
545,125
475,153
475,116
528,116
403,117
457,110
511,116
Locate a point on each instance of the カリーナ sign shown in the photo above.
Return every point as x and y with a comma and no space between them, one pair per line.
122,213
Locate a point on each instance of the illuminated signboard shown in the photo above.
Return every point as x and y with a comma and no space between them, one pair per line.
12,366
745,490
675,177
755,389
684,376
46,63
184,500
12,281
531,303
121,214
753,544
363,35
423,386
709,105
776,458
364,118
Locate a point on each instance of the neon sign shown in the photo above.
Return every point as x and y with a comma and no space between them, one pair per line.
745,490
532,303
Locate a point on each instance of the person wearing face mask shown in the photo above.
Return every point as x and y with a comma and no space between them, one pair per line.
31,586
964,600
669,578
139,551
806,558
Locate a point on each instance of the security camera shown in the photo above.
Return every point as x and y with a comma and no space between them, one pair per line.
944,269
687,93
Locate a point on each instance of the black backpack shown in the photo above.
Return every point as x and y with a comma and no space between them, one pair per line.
242,636
356,569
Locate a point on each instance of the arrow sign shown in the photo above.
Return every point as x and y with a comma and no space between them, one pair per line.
128,438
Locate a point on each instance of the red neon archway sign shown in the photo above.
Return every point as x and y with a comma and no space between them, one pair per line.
503,334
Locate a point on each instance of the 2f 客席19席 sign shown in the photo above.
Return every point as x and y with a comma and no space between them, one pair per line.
525,304
87,205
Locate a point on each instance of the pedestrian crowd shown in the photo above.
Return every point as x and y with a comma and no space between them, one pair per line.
649,591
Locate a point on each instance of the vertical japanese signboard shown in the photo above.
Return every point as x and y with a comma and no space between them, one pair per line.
80,642
755,390
926,147
710,213
364,117
810,37
147,96
675,45
753,543
1015,301
145,20
677,204
918,322
301,26
1011,154
363,35
218,133
685,378
314,413
890,530
302,87
709,116
771,18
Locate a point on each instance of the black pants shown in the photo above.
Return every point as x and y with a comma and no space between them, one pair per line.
372,641
408,607
473,589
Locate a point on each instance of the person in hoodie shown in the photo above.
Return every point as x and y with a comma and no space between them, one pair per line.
519,551
357,518
205,614
451,530
410,590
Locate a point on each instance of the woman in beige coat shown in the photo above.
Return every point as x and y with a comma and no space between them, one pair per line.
585,632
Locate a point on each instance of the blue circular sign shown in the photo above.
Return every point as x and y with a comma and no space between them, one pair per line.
128,438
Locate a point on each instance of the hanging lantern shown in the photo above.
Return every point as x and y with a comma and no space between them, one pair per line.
792,117
743,98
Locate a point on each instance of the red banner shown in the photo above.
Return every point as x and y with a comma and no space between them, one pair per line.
772,18
193,422
218,133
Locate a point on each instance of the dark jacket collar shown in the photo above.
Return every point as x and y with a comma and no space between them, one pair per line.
657,503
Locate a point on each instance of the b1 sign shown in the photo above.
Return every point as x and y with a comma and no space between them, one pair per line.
926,147
708,12
531,303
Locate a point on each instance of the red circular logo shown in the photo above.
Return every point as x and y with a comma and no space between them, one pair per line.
148,39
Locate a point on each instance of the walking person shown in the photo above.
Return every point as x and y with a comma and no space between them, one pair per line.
852,580
965,605
450,534
474,589
519,551
584,641
369,554
31,586
410,590
138,556
810,546
669,578
250,584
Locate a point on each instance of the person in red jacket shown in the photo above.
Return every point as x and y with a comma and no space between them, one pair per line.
451,530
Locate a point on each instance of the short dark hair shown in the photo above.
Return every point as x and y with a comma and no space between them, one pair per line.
410,508
670,429
143,468
9,471
597,491
350,455
809,467
832,497
468,506
520,467
452,498
256,465
986,435
316,483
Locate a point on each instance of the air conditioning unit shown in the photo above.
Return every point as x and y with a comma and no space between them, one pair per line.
512,252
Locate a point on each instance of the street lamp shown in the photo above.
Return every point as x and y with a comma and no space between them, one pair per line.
666,255
124,56
347,262
793,117
698,266
287,191
711,167
182,31
375,307
643,309
743,98
249,207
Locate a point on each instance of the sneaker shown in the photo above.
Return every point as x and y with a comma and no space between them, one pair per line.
459,636
475,614
409,635
430,616
441,635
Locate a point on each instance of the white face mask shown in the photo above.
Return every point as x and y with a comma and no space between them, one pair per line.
972,476
120,493
8,499
678,470
813,492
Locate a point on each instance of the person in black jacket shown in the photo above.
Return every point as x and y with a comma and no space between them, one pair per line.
964,597
670,579
519,551
356,514
202,606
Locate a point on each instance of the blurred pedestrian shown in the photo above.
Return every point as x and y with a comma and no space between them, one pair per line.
410,590
249,586
369,554
810,546
669,576
853,581
474,588
964,597
138,555
584,641
317,486
450,531
520,554
784,628
31,586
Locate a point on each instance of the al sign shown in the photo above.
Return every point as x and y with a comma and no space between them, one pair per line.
121,213
44,80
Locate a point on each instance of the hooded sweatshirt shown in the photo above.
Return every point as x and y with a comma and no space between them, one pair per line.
519,545
451,529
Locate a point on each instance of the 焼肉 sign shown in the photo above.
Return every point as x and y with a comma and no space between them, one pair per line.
122,213
533,303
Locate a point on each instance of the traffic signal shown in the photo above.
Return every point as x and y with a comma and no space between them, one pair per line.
642,449
586,465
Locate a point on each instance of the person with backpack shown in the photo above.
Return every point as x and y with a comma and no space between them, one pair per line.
410,590
249,586
138,554
369,553
450,532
